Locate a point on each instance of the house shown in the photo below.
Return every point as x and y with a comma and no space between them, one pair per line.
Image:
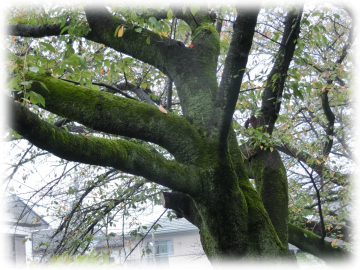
175,243
20,221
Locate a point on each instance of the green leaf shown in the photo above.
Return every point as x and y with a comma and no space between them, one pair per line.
134,16
194,9
318,85
308,89
43,85
170,14
148,40
64,29
324,39
48,46
153,20
36,98
138,30
117,30
34,69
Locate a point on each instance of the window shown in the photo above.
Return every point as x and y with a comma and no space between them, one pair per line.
163,249
12,250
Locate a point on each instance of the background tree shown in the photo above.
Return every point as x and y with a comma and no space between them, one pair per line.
220,111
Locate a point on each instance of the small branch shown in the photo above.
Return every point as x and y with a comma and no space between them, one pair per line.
269,38
105,85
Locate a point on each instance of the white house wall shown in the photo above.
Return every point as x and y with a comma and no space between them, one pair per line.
187,250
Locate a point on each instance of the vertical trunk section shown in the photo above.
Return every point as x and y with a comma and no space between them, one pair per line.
271,184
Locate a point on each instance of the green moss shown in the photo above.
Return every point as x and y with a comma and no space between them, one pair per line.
208,27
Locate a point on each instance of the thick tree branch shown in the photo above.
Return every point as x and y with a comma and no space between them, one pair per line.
109,88
121,116
273,91
235,64
35,31
119,154
325,100
312,243
201,16
331,121
158,53
183,206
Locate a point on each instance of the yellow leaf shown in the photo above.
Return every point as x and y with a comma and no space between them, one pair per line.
271,149
121,31
261,147
323,88
161,109
236,104
318,161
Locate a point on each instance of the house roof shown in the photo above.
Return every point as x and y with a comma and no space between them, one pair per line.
22,215
175,225
113,242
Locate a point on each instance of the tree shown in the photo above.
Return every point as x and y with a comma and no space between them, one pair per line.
71,66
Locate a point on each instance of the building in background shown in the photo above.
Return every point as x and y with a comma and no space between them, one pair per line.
20,221
177,245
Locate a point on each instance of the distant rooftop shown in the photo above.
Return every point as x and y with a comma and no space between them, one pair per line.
175,225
